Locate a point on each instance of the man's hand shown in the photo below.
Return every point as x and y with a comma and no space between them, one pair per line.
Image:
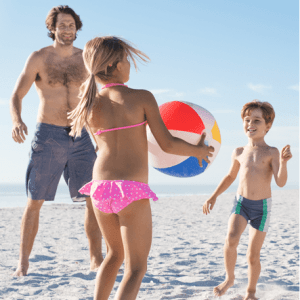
209,205
204,150
286,153
18,132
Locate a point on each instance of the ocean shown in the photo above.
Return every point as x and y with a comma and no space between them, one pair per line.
14,195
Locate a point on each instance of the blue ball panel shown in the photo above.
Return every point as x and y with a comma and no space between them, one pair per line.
187,168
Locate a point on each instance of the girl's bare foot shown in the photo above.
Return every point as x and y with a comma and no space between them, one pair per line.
221,289
250,296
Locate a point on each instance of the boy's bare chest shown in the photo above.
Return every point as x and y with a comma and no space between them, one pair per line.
255,160
63,72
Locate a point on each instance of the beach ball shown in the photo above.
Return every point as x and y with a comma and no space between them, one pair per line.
187,121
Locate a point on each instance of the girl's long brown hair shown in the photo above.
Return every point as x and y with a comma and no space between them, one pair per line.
101,56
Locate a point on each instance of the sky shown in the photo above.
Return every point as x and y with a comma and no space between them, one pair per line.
217,54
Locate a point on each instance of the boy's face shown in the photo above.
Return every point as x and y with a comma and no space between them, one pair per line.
255,125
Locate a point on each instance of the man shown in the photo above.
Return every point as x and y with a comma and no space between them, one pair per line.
58,71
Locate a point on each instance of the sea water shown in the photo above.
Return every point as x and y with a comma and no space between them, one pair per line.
14,195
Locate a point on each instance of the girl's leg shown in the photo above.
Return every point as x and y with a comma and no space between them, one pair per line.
136,232
94,235
236,227
256,240
107,273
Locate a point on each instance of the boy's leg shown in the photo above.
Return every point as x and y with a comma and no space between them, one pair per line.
236,227
256,240
29,229
94,236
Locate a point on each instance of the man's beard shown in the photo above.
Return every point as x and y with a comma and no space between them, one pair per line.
64,41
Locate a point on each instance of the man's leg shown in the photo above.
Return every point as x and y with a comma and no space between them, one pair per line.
256,240
29,229
236,227
94,235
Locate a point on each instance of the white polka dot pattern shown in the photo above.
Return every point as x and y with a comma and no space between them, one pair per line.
111,196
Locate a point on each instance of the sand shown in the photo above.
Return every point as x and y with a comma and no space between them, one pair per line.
185,261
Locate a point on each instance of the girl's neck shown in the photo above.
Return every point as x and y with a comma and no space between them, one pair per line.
112,84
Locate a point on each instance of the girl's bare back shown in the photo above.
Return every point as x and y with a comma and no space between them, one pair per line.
123,153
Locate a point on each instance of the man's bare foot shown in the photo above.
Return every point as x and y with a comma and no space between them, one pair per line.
95,264
221,289
250,296
21,270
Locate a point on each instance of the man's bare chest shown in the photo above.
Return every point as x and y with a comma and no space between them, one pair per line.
62,73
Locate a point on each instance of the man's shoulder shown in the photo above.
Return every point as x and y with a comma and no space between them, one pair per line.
41,53
44,51
77,50
37,57
50,50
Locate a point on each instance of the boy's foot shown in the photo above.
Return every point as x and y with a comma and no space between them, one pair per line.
250,296
221,289
21,270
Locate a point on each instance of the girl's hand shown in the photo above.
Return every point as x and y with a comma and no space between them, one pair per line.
285,154
204,151
209,205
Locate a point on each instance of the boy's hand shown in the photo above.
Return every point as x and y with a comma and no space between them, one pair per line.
209,205
204,151
285,154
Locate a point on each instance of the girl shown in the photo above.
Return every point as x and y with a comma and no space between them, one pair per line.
116,116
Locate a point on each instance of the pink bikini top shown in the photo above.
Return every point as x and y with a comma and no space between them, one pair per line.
105,130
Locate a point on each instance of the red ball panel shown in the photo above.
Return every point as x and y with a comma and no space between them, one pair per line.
180,116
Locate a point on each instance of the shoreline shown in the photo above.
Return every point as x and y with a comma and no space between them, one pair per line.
12,195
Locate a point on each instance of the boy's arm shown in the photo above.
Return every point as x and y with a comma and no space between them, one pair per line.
279,164
24,82
224,184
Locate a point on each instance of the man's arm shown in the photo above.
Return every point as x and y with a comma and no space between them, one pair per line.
23,84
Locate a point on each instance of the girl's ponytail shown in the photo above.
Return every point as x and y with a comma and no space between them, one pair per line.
80,114
101,56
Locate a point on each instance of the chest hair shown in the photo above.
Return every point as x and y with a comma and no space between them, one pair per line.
65,71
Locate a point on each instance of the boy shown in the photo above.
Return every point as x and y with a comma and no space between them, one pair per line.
257,162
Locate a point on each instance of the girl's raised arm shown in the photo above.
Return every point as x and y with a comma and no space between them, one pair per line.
165,140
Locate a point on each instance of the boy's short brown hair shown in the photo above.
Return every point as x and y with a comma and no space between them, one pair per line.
266,108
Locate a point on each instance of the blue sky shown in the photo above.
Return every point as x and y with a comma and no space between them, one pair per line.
217,54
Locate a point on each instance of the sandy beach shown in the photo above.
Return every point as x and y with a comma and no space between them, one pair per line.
185,261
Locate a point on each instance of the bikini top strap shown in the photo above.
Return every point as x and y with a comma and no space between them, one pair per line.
130,126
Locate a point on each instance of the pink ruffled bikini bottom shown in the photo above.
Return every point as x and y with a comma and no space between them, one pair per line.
111,196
